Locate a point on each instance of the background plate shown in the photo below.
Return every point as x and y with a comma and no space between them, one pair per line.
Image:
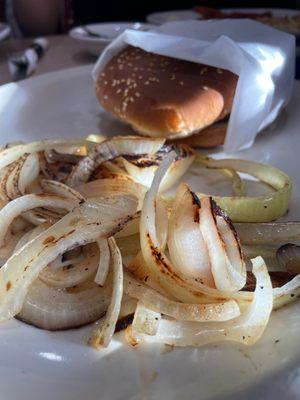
109,31
37,364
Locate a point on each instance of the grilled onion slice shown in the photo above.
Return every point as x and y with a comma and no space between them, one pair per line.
90,220
102,334
53,308
246,329
108,150
143,168
260,208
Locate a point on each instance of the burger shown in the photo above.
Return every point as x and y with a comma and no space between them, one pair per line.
161,96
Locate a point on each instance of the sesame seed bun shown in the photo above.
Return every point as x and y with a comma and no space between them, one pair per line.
163,96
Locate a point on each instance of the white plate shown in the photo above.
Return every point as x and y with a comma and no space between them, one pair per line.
37,364
4,31
159,18
107,31
182,15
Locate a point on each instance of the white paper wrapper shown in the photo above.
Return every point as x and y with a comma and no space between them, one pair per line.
262,57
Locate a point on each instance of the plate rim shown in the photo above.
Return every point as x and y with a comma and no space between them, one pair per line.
77,36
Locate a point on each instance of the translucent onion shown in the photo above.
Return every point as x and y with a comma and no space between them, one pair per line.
157,265
51,308
29,172
73,272
155,301
5,176
260,208
32,234
19,225
186,245
6,251
246,329
83,225
103,333
115,185
108,150
287,293
24,173
28,202
142,169
103,263
227,264
60,189
145,320
129,245
141,271
131,228
9,155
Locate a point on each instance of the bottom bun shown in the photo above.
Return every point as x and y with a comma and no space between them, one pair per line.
212,136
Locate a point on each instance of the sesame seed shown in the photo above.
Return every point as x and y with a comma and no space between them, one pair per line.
205,88
147,83
105,82
111,67
173,77
137,94
120,66
219,71
181,83
119,91
140,77
105,97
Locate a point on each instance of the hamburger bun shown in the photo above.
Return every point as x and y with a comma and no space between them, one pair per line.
165,97
212,136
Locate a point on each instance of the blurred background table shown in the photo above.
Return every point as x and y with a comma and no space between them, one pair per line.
63,52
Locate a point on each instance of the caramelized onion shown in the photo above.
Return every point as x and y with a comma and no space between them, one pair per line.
246,329
52,308
102,334
108,150
90,220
